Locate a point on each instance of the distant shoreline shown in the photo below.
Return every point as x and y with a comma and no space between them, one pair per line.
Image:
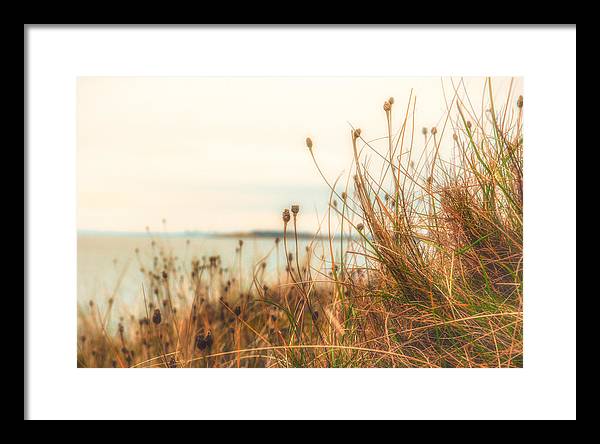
197,234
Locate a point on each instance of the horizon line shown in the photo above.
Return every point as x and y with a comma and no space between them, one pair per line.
189,232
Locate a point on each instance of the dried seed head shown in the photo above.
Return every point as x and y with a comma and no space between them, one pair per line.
356,133
286,216
295,209
434,130
455,137
344,195
360,226
391,100
386,106
469,124
201,342
237,311
520,102
156,317
241,242
309,143
165,275
424,131
172,363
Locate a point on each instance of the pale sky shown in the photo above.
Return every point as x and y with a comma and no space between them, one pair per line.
227,153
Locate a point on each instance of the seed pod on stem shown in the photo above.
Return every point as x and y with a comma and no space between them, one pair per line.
156,317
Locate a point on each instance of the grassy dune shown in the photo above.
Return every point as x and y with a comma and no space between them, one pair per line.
423,265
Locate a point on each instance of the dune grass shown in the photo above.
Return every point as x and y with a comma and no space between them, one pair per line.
422,265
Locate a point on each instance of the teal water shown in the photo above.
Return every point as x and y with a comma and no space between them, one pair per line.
108,266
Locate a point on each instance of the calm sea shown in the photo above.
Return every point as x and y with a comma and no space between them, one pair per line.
108,266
